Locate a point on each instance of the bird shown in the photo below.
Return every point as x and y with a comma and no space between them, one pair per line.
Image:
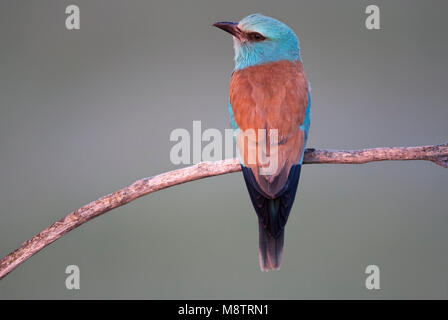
269,91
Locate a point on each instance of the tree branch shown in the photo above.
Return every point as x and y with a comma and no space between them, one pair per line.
437,154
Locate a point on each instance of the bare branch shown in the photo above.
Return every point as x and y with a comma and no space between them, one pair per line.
437,154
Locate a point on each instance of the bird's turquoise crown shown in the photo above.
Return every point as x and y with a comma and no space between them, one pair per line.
281,42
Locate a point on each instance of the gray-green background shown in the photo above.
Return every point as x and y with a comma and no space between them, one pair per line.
83,113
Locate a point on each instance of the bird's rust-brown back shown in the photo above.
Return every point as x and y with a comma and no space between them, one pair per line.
271,96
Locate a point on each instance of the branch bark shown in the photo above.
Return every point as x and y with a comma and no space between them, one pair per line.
435,153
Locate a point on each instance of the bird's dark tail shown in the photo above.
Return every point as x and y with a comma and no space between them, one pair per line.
271,248
272,216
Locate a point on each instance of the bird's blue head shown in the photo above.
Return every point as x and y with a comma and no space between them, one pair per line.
259,39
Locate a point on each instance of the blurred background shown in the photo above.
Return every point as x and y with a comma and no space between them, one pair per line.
86,112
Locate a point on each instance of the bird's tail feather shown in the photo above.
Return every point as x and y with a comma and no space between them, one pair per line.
272,216
271,248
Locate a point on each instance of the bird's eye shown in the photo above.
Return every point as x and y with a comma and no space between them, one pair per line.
255,36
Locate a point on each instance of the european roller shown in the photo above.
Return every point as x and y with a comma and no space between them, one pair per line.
269,90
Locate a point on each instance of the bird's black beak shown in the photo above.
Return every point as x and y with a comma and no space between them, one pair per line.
230,27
